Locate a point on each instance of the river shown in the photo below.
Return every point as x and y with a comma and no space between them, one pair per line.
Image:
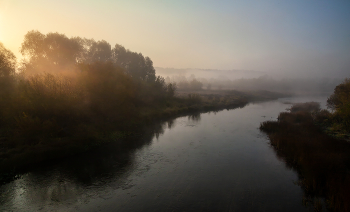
217,161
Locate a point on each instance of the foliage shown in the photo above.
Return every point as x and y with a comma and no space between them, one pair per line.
193,85
171,89
138,66
339,102
110,93
74,88
7,62
7,80
321,161
52,52
56,52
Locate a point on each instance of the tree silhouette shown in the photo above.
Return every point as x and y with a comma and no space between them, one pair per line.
97,51
56,52
135,64
7,80
340,97
7,62
339,102
49,52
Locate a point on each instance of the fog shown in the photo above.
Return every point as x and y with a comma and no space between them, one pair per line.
79,76
206,79
295,39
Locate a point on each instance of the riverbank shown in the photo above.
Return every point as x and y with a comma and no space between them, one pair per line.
321,160
17,156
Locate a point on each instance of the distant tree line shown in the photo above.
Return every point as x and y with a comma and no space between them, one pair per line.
288,85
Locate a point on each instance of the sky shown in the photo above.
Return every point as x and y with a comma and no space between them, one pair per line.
294,38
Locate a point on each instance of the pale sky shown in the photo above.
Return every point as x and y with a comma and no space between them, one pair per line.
296,37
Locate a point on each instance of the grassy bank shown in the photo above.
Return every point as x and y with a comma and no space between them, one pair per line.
321,160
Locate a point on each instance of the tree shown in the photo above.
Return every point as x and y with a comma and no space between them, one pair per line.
135,64
150,72
7,62
110,92
340,96
56,52
171,89
339,102
7,79
50,52
97,51
196,85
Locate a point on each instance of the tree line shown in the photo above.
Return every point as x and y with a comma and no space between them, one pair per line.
74,87
56,52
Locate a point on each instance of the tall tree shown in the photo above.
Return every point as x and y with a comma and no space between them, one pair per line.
135,64
49,52
7,79
7,62
100,51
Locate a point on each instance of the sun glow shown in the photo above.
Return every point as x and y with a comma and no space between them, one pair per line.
1,29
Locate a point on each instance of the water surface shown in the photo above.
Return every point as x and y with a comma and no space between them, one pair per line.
204,162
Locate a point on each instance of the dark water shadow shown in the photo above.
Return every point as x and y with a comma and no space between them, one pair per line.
110,165
325,184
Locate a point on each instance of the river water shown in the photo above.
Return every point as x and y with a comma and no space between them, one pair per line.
204,162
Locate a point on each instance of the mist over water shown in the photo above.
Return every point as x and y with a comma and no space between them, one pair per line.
93,98
210,162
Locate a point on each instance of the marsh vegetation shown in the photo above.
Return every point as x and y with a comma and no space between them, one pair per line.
314,143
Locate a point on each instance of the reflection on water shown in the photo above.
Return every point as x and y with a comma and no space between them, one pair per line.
195,118
203,162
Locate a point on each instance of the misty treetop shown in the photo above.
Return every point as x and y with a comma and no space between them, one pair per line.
55,52
7,62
